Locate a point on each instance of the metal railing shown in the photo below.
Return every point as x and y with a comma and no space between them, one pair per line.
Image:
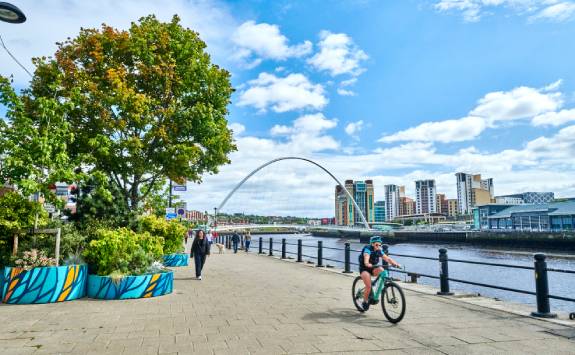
540,269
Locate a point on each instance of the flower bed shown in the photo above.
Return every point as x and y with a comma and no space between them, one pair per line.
142,286
177,259
43,284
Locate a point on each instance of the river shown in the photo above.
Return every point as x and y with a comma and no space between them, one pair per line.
560,284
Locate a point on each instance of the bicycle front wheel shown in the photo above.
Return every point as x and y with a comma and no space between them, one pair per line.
393,302
357,293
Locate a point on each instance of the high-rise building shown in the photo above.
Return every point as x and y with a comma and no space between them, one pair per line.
425,196
392,194
531,198
407,206
473,191
379,211
441,204
452,207
363,194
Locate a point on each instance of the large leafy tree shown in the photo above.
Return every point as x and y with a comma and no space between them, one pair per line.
144,104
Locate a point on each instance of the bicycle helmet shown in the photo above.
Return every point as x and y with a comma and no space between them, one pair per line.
375,239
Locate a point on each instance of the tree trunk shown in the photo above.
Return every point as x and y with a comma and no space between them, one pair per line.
134,195
15,245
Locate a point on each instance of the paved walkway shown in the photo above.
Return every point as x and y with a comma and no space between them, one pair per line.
249,304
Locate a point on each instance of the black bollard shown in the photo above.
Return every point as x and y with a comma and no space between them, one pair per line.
542,288
319,253
443,273
271,251
261,249
283,248
347,265
299,251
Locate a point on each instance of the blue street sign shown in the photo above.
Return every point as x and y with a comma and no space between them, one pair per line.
181,211
171,215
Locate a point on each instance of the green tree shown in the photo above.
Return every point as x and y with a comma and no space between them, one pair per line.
144,104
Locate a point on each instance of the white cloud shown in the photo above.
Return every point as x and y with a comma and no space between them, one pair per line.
554,118
51,21
293,92
344,92
474,10
338,55
264,41
353,128
462,129
238,128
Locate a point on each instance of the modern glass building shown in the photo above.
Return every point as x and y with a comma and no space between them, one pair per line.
379,210
549,217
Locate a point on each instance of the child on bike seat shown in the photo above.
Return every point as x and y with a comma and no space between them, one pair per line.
369,265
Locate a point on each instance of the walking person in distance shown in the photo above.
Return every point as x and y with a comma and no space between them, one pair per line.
235,241
248,241
200,250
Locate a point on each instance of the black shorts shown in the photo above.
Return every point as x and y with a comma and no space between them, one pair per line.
368,269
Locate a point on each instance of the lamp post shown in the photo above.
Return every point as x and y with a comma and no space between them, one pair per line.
10,13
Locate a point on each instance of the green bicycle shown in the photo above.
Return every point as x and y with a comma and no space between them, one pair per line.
392,298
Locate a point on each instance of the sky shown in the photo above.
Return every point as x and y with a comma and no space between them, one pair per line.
388,90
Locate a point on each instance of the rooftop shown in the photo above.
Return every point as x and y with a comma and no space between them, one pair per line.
552,209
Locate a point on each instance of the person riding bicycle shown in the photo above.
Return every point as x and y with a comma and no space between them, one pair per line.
369,265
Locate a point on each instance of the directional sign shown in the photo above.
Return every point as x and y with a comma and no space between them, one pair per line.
50,208
171,215
178,187
170,210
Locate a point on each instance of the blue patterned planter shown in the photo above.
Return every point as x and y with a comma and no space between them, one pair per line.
142,286
44,284
180,259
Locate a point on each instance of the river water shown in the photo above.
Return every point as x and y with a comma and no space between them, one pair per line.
560,284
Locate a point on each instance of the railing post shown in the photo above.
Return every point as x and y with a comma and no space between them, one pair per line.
542,288
271,251
299,251
347,264
319,253
443,273
261,247
283,248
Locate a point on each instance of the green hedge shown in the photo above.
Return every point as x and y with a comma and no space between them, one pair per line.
172,232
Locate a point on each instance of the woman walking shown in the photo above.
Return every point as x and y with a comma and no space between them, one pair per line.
200,250
248,241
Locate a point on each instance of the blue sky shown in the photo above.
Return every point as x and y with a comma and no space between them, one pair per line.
393,90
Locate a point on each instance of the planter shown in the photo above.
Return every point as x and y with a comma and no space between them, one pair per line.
142,286
44,284
179,259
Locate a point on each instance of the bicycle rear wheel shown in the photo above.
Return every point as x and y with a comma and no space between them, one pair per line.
393,302
357,293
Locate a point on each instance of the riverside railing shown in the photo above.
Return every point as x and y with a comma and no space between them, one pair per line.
539,268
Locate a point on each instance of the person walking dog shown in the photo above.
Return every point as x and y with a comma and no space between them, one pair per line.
200,250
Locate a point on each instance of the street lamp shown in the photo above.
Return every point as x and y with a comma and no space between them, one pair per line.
10,13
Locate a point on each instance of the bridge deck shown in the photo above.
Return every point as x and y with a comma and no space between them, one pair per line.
256,304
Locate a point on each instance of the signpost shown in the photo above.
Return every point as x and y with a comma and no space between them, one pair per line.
179,188
171,213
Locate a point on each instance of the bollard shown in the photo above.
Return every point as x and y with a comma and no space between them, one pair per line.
319,253
443,273
271,252
283,248
542,288
299,251
347,267
261,250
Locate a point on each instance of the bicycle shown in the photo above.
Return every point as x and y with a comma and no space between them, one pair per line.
392,298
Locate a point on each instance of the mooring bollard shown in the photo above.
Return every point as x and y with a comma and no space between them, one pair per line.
319,253
542,288
443,273
271,252
347,264
261,249
283,248
299,251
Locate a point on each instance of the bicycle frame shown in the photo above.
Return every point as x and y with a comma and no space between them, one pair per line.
379,283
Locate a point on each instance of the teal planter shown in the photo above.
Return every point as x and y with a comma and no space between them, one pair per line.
179,259
142,286
43,284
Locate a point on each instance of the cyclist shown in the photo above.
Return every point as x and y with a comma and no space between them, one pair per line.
369,265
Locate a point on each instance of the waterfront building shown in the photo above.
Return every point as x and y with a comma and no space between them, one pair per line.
363,194
407,206
473,191
548,217
535,198
452,207
425,197
481,214
441,204
392,195
379,211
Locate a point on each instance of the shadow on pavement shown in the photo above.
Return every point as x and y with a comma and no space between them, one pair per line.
351,316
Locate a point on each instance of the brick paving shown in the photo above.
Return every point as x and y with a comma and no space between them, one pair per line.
249,304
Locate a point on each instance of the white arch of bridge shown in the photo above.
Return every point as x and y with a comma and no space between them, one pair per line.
364,220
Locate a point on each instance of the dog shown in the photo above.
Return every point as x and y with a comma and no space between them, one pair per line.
220,248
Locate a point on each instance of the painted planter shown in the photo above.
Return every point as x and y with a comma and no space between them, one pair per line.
142,286
44,284
179,259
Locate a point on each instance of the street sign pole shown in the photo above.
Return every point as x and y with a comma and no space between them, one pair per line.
170,195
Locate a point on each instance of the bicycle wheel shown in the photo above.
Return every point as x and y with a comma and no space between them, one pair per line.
357,293
393,302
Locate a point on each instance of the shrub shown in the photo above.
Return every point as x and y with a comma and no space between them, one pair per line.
34,258
122,251
172,232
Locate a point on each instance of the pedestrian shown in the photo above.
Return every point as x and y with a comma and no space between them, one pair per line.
200,250
235,241
248,241
210,236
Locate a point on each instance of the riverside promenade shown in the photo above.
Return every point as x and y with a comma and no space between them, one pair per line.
251,304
